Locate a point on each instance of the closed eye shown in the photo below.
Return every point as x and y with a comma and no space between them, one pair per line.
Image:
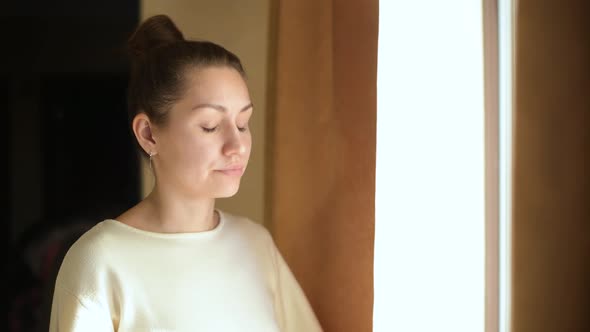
209,130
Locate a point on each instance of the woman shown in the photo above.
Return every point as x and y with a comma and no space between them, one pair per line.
173,262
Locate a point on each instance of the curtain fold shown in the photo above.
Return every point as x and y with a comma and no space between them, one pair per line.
322,139
551,221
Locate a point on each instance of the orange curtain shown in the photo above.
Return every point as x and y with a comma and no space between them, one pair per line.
551,226
322,150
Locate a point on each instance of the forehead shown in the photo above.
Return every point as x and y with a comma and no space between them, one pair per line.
215,84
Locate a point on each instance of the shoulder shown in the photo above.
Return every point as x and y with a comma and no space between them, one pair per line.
245,225
84,259
89,244
255,243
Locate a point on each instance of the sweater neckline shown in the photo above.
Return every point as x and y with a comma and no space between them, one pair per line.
182,235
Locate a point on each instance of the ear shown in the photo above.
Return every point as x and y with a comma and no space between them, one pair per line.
143,131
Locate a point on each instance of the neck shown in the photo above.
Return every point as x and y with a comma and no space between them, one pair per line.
170,213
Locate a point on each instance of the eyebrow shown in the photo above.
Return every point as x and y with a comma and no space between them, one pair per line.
221,108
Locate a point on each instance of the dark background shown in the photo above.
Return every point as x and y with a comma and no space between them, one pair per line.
68,159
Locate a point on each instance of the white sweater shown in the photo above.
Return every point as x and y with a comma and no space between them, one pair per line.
232,278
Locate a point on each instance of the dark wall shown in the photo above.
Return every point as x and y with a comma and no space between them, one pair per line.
68,160
64,74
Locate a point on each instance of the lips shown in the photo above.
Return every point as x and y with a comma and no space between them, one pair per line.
232,170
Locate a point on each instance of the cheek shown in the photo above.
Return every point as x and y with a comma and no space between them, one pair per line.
199,156
249,143
193,154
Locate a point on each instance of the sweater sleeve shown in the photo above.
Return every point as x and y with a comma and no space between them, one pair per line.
69,313
294,312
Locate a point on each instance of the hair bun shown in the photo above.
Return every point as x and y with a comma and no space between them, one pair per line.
156,31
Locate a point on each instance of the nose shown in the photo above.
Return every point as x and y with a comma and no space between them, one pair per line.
234,143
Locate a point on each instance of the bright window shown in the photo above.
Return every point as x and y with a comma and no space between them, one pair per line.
443,182
430,217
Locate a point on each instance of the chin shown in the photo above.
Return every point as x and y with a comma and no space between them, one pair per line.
228,191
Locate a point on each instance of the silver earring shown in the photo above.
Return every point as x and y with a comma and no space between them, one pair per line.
151,155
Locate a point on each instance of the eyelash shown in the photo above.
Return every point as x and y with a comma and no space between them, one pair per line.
210,130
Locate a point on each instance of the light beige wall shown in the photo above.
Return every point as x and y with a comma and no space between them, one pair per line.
243,28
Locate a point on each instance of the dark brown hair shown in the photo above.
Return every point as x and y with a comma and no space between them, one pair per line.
160,57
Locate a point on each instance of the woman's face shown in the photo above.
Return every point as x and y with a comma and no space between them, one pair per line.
204,147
